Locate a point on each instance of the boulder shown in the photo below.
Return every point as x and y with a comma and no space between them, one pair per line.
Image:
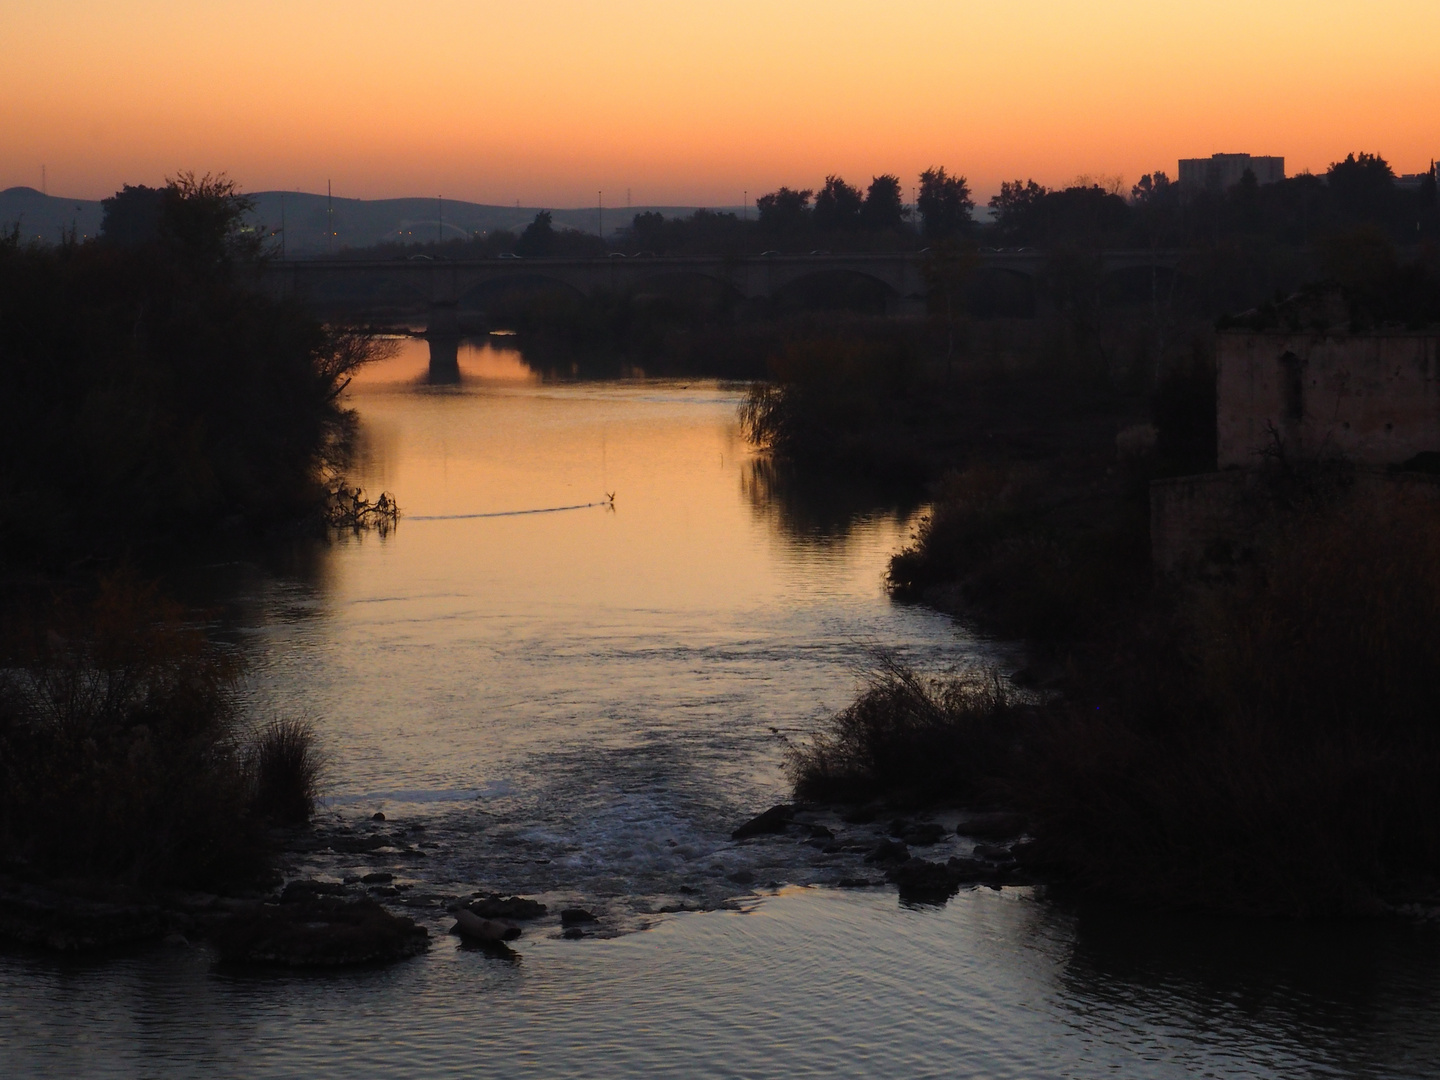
770,822
918,833
577,917
993,853
888,851
472,926
922,882
35,914
318,932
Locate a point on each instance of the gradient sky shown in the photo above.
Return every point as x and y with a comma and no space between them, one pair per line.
690,102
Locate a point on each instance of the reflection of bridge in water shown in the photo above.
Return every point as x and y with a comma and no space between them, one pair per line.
437,290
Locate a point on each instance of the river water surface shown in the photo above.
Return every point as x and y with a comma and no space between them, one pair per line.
549,693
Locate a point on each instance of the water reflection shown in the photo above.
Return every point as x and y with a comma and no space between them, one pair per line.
444,361
819,507
581,706
1352,999
448,362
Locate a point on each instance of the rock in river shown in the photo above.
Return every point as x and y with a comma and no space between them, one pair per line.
472,927
888,851
770,822
318,932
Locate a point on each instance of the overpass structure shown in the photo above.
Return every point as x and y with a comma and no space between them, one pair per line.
441,288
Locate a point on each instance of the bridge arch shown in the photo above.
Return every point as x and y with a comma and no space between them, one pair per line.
835,289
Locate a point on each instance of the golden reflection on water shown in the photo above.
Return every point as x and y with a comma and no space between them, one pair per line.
487,361
691,527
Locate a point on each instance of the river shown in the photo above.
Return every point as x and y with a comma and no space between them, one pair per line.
549,692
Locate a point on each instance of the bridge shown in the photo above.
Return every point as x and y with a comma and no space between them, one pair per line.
440,288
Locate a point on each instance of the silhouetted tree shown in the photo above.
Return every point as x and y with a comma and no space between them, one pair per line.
132,216
1362,186
883,210
784,212
944,203
538,237
203,219
1016,209
837,207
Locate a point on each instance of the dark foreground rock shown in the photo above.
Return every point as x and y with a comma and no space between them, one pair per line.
918,833
317,932
772,821
577,917
996,825
473,928
924,882
74,921
888,851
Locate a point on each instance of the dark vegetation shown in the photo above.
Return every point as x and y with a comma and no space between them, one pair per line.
154,398
123,755
151,393
1260,741
914,741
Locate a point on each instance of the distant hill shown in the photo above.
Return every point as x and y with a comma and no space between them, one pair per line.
357,222
42,217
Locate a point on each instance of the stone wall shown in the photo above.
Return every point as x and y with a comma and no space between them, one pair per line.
1371,399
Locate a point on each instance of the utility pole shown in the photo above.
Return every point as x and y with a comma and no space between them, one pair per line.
329,218
745,204
282,226
44,182
600,213
440,218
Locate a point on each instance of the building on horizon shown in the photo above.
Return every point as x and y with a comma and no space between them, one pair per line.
1414,181
1220,172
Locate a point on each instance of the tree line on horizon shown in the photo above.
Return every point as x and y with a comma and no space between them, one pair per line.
1359,191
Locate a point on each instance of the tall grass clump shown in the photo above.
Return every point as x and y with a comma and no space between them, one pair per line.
119,756
284,767
123,754
1273,744
913,741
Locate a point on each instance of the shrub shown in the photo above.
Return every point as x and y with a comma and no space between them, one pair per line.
912,740
119,749
284,769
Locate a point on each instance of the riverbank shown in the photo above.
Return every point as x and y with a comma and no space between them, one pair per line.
1260,741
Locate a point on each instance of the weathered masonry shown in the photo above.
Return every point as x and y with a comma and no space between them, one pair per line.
1371,399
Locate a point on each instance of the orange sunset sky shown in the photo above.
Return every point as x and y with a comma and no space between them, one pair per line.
547,101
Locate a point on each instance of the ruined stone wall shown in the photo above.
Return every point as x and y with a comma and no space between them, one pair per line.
1372,399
